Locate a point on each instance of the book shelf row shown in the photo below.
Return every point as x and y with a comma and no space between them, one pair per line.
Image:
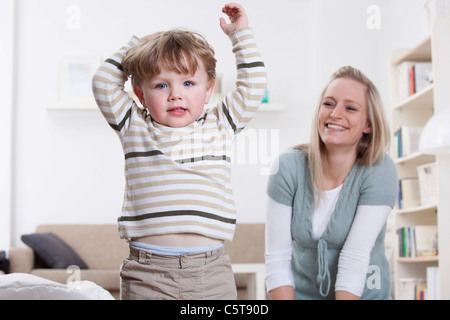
420,288
419,190
412,78
420,241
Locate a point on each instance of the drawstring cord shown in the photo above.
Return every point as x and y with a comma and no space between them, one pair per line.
323,274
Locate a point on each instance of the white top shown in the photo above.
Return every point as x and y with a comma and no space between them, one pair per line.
322,214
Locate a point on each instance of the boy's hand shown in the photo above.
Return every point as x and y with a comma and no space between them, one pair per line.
238,18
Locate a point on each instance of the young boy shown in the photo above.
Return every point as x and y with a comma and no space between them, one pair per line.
178,205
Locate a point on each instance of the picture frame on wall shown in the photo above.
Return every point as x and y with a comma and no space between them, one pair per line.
75,92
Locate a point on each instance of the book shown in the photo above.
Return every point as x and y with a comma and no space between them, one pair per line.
398,143
412,87
401,76
425,239
421,290
420,75
411,289
417,241
407,139
410,139
427,175
423,76
412,77
432,292
409,193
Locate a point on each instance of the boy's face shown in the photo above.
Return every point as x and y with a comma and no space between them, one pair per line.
176,99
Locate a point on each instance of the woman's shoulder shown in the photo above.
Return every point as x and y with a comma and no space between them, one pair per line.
289,163
293,155
291,160
385,165
379,183
285,176
383,173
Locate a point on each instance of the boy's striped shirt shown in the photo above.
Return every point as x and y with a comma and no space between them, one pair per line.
178,179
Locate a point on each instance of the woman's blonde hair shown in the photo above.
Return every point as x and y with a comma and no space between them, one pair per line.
177,50
372,146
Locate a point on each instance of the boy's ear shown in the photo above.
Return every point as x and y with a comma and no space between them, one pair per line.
139,94
209,92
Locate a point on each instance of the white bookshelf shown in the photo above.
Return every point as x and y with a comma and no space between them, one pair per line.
416,110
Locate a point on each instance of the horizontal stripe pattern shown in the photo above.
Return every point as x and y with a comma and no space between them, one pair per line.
178,179
175,213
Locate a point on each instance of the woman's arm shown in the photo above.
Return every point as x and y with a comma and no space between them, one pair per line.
344,295
279,278
282,293
355,255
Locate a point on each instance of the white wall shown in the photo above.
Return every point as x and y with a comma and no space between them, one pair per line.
6,92
68,165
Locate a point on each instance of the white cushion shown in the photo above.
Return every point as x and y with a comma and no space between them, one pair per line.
23,286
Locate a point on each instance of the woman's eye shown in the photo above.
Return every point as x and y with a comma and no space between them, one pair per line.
328,104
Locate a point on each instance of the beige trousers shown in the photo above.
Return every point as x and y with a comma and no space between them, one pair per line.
199,276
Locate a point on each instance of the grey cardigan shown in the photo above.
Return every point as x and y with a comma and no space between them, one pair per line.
315,261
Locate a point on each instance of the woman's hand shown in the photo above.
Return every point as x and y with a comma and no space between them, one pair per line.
238,18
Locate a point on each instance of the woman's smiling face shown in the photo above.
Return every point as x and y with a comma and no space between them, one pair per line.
343,114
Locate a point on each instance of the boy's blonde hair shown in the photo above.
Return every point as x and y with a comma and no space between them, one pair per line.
372,146
177,50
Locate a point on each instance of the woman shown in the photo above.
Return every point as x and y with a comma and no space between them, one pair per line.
329,200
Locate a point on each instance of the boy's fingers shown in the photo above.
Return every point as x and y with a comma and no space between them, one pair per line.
231,9
223,23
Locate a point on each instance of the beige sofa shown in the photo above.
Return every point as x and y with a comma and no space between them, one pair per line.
98,245
101,249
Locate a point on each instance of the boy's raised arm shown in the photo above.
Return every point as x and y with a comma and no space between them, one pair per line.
240,105
108,85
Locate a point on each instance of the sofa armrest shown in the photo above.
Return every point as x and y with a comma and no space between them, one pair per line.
21,259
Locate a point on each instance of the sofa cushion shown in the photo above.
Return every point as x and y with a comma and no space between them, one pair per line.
54,252
250,236
98,244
